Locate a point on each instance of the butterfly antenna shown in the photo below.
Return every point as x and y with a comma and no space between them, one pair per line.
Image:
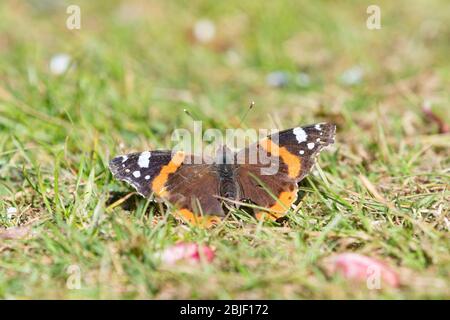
189,114
252,104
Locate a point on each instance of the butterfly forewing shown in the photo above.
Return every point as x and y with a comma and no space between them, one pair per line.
140,169
307,142
293,151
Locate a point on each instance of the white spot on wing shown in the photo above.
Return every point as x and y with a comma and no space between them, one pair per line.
310,145
302,152
300,134
147,177
136,174
124,158
144,159
127,170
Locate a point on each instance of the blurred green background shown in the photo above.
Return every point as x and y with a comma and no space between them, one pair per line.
71,99
137,64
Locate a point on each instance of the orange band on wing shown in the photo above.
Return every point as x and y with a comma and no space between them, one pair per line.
161,179
292,161
201,221
266,216
284,201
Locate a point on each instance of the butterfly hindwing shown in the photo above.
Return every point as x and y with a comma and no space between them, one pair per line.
194,190
275,192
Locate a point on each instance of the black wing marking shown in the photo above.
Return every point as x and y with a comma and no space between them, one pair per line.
304,142
140,168
307,142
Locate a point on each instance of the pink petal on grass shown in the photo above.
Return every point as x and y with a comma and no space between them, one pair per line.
189,252
357,267
15,233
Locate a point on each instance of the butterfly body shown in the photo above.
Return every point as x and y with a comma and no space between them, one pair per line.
265,174
228,187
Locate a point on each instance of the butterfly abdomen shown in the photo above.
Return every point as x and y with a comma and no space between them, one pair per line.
228,186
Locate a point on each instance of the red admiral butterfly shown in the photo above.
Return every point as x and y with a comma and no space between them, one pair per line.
198,191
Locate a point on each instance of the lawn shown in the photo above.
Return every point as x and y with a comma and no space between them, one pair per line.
71,99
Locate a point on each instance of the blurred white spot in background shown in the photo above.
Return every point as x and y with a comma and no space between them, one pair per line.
204,30
233,58
352,76
426,106
11,212
59,63
277,79
303,80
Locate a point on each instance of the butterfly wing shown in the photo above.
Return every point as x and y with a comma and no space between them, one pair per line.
140,169
306,143
178,179
294,152
275,192
194,190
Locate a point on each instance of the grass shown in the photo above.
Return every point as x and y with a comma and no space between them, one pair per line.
382,191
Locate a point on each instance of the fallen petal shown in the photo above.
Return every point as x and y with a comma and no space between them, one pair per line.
361,268
15,233
188,252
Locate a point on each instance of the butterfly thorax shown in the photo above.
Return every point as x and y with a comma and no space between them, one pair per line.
228,187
